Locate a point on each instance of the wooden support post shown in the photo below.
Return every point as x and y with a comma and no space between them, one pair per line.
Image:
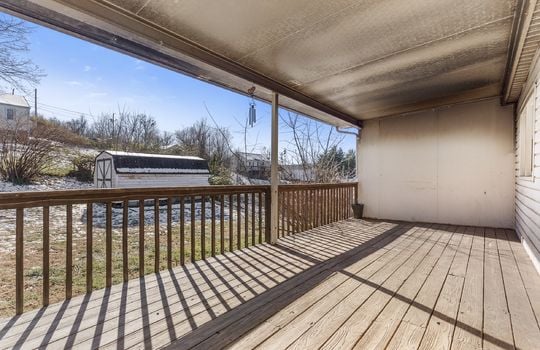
357,188
274,175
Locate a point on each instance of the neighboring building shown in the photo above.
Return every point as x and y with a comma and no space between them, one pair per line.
297,172
116,169
14,112
252,165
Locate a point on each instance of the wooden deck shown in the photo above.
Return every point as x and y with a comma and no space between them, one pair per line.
353,284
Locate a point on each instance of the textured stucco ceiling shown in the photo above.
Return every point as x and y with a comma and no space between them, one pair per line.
367,58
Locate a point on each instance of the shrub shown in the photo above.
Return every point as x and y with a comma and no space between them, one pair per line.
83,168
24,154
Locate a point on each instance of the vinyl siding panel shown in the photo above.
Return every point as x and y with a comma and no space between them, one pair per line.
527,197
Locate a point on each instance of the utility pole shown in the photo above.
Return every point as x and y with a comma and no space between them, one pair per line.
35,103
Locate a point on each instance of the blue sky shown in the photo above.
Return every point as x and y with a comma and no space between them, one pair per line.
86,78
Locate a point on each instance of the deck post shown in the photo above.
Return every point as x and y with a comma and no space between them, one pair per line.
357,161
274,174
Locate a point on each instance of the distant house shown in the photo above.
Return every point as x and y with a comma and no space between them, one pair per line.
116,169
14,112
253,165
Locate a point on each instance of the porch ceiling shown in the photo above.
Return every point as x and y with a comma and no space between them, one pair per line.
349,59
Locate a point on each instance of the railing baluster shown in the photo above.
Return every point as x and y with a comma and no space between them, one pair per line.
192,226
125,223
89,248
260,217
182,232
69,251
108,245
46,247
156,235
222,224
141,237
19,261
246,219
203,227
239,222
231,227
253,218
213,225
267,214
281,231
169,233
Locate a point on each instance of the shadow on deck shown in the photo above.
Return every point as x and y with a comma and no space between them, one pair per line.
352,283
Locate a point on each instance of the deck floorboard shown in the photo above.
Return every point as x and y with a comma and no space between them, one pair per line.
352,284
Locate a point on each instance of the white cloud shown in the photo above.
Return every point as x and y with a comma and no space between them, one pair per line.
87,68
139,64
74,83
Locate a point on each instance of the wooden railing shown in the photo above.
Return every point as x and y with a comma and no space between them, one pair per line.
90,239
233,215
303,207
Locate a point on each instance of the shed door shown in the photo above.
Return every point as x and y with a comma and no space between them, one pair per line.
104,173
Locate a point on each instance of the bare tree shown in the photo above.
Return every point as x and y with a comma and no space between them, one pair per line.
313,154
127,131
15,70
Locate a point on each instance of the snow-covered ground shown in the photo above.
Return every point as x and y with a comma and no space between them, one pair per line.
46,183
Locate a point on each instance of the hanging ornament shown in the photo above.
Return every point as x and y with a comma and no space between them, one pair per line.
252,116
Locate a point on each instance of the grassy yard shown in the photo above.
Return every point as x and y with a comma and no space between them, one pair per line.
33,251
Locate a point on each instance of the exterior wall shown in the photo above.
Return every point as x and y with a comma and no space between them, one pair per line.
22,117
155,180
527,198
450,165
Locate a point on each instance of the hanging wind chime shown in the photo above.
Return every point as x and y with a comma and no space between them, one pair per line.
252,118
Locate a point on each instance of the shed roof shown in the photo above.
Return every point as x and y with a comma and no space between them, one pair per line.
146,163
14,100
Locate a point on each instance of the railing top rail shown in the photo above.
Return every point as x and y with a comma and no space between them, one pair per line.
11,200
292,187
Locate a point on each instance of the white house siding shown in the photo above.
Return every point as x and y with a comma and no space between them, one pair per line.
21,120
449,165
527,198
154,180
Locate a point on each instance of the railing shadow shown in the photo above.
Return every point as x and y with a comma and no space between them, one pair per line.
246,271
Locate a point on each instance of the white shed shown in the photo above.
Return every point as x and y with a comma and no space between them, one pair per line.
115,169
